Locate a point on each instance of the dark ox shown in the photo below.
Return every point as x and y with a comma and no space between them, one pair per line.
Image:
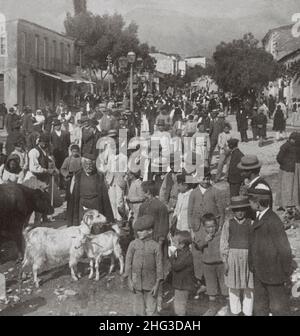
17,203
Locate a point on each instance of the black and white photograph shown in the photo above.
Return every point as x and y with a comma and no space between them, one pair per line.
149,159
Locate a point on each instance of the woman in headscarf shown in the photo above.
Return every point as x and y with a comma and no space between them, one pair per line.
11,172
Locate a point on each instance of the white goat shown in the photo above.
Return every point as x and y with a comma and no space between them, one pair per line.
52,247
103,245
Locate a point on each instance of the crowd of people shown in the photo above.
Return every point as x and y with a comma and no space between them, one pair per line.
176,214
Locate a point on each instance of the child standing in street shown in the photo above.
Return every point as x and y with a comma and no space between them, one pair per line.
143,268
262,121
213,268
234,251
182,271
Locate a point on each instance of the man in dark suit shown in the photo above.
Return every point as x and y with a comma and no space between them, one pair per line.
60,141
242,123
270,258
234,178
216,127
88,190
251,166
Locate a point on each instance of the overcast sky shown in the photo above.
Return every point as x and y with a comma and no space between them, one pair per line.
239,15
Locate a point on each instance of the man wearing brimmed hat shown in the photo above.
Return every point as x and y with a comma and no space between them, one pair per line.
88,190
251,166
89,138
60,141
242,123
234,174
270,258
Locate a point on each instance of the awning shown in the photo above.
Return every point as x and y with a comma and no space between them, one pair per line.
65,78
48,74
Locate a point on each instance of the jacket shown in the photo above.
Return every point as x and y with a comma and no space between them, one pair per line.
287,157
234,173
270,256
200,204
183,270
210,250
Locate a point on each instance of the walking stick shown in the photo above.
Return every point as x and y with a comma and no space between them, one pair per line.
52,190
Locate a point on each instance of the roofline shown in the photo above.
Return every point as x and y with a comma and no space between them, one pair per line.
275,29
283,58
45,28
194,57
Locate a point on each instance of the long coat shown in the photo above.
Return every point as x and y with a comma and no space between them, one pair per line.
89,141
73,207
234,173
242,121
270,255
60,147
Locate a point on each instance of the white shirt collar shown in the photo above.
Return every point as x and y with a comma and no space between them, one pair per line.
260,214
255,179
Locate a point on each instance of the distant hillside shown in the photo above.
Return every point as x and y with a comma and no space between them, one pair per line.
187,27
176,32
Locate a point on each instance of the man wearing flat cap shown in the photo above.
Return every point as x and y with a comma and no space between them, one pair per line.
88,191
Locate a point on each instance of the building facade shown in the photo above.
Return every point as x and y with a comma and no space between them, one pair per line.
36,65
169,64
192,61
285,49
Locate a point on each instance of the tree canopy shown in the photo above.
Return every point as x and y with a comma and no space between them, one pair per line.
106,35
293,70
241,66
193,73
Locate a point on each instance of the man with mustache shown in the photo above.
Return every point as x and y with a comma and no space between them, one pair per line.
88,190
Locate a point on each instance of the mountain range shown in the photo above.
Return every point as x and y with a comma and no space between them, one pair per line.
187,27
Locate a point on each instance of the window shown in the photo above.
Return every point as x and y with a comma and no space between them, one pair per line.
69,54
3,48
45,53
23,46
62,51
54,53
37,49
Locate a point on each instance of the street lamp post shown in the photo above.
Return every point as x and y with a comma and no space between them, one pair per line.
131,56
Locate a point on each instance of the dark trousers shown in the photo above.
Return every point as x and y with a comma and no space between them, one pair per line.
234,189
270,299
244,135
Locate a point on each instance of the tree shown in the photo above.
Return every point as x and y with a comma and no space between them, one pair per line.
293,70
106,35
196,72
80,6
242,66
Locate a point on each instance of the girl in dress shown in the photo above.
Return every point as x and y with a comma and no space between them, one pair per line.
234,252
